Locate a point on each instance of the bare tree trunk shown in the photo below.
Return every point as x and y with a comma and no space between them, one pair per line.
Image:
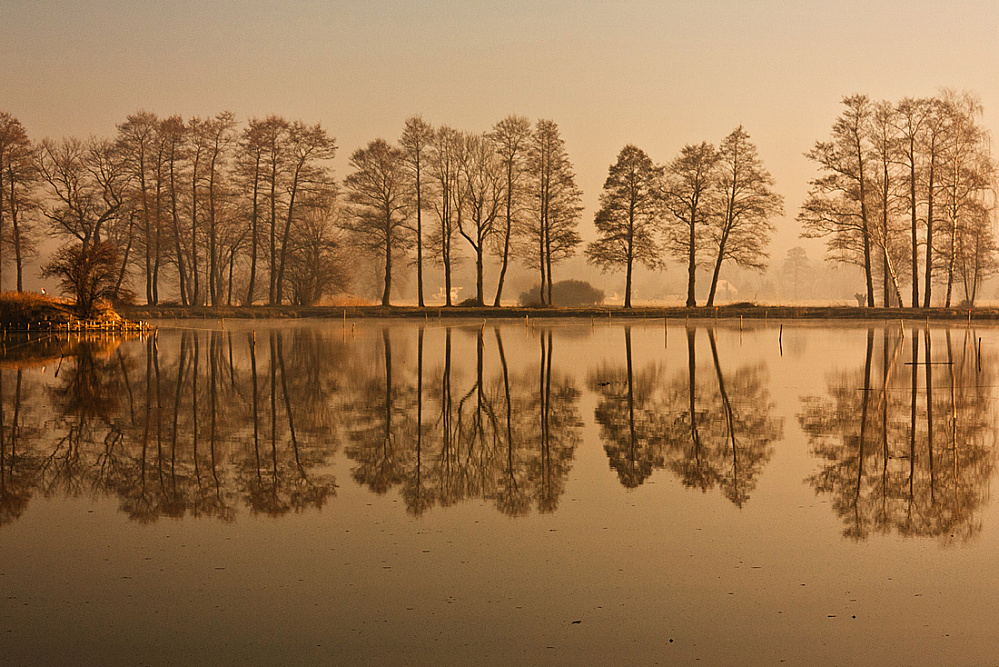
691,262
929,231
386,294
914,221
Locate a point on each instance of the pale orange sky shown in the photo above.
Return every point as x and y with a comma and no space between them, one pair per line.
656,74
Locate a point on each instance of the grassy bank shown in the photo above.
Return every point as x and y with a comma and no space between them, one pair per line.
748,311
25,311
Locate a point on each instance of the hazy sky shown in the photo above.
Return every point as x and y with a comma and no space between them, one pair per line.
656,74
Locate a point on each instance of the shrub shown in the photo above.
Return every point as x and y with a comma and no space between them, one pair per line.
566,293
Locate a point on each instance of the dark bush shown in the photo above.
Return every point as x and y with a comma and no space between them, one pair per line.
566,293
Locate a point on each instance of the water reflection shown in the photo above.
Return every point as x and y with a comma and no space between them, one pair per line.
214,423
905,440
508,438
711,430
167,435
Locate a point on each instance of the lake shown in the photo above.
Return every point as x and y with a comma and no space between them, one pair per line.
566,492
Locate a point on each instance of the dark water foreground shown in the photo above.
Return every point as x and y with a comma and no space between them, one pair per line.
457,492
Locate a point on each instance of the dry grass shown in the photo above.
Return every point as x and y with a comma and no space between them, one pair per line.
22,309
346,301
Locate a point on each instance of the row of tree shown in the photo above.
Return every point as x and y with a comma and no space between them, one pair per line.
217,213
907,191
182,205
509,193
707,206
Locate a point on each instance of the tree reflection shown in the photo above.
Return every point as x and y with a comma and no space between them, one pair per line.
889,464
714,431
18,464
172,433
448,438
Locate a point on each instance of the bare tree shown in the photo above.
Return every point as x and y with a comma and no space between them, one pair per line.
317,264
173,142
911,118
86,186
886,232
484,195
219,139
797,268
377,194
446,156
741,231
837,206
555,205
630,217
137,148
417,138
18,180
87,272
511,136
967,181
690,184
309,149
259,167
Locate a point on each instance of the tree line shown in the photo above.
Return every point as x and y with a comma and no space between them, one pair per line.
213,212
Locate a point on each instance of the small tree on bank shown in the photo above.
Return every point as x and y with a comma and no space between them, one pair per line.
87,272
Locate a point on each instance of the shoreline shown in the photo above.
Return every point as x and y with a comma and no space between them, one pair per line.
516,312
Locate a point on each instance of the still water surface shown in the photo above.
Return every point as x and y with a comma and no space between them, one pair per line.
452,492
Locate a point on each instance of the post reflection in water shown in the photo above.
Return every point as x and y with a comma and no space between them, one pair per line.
713,431
906,443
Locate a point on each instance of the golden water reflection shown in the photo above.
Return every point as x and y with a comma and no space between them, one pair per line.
210,423
906,441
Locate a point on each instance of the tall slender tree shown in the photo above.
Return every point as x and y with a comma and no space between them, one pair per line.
511,137
309,150
417,138
967,181
910,118
18,180
838,204
137,142
446,155
886,231
483,193
555,204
